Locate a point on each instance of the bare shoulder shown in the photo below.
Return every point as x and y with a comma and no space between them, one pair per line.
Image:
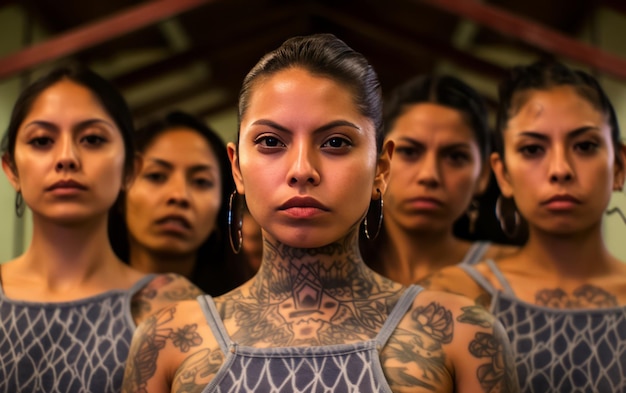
455,280
446,343
173,349
162,290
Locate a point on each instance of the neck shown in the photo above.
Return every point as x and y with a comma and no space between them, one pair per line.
408,256
305,273
149,261
577,256
70,253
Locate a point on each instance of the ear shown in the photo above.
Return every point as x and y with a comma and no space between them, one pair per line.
233,156
619,170
483,178
383,168
130,177
499,170
9,169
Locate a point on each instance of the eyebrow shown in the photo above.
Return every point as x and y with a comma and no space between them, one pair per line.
193,169
570,134
325,127
83,124
451,146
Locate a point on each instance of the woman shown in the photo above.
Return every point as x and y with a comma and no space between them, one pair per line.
174,215
439,169
562,298
68,305
309,159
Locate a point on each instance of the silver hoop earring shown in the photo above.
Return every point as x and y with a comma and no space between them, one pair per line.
511,233
20,207
472,214
380,219
237,249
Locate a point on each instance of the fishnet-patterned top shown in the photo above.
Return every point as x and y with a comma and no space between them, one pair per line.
559,350
77,346
335,368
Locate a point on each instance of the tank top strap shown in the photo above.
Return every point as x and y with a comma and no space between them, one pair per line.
142,282
397,313
483,282
506,288
475,253
215,321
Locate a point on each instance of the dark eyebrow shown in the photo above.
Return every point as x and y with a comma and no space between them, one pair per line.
325,127
570,134
193,169
83,124
451,146
161,162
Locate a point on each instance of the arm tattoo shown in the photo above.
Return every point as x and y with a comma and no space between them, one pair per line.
167,288
420,349
498,374
143,364
196,369
587,296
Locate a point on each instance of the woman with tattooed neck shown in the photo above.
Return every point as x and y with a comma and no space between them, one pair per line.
68,305
310,161
562,297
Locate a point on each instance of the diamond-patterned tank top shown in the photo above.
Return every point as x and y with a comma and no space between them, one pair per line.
342,368
77,346
559,350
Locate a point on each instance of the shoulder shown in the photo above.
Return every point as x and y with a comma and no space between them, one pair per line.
162,290
445,340
173,348
455,280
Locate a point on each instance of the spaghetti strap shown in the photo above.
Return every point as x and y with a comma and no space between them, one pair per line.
506,288
479,278
475,253
215,321
396,315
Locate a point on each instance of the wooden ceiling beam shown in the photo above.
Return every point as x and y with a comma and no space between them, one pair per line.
534,34
95,33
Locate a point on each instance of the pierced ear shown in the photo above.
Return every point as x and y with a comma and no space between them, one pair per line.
233,156
10,171
383,169
130,177
619,170
502,177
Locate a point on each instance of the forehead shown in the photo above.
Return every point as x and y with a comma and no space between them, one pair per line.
67,98
181,144
431,121
557,108
297,89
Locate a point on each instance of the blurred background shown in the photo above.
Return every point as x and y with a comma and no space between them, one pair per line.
193,54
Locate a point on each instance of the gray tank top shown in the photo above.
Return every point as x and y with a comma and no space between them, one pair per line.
559,350
334,368
77,346
475,253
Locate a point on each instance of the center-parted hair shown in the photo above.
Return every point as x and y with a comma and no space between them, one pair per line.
446,91
515,90
327,56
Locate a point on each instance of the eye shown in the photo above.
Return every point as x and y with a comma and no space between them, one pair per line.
408,153
203,183
530,151
155,177
337,142
269,141
458,158
586,147
93,140
40,142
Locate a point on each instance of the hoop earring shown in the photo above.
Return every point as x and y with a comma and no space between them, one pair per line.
380,218
472,214
19,204
500,216
237,249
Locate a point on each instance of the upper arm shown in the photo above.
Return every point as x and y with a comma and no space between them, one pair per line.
481,353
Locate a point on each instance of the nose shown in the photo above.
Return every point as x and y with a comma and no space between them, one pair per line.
560,167
429,172
68,158
178,191
303,168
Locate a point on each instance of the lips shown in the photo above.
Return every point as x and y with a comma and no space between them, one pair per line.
66,184
174,220
424,203
561,198
303,202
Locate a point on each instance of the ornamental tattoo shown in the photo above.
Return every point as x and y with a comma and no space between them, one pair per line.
587,296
